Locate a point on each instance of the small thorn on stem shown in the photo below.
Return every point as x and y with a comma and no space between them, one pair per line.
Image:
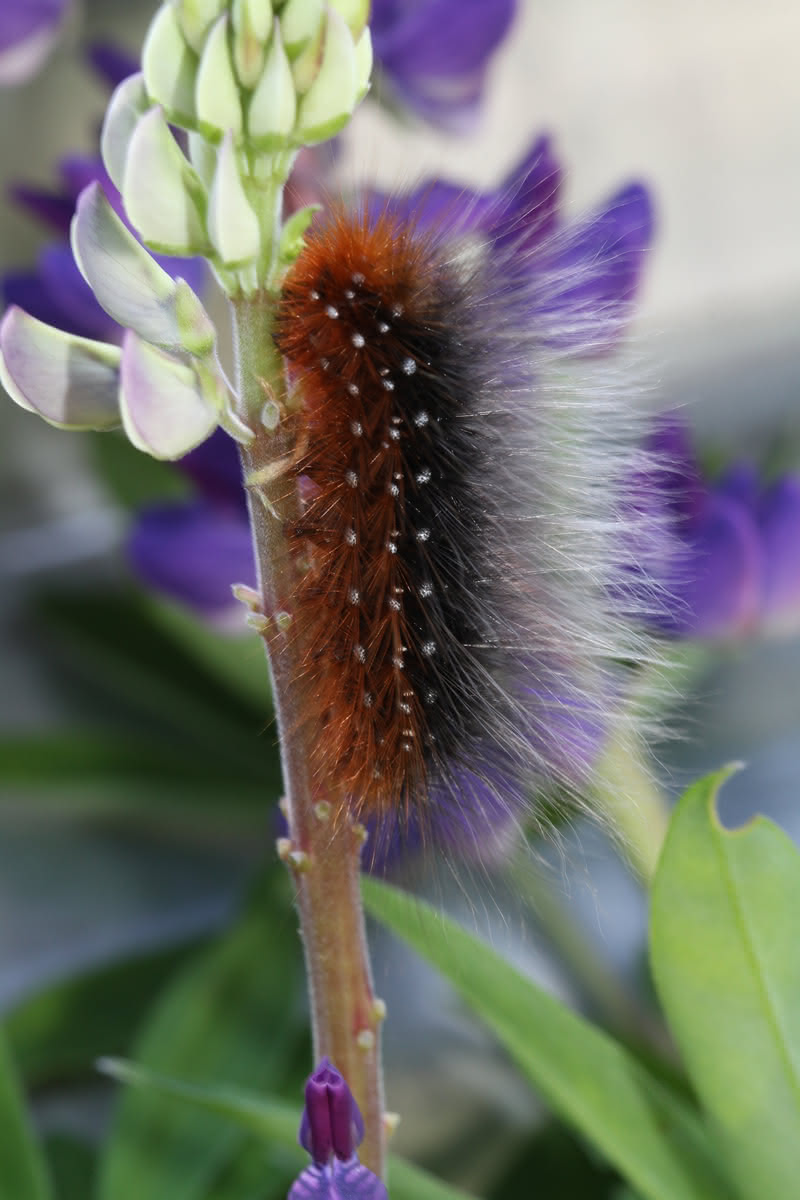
284,621
322,810
296,860
365,1039
257,621
248,596
360,833
390,1122
379,1009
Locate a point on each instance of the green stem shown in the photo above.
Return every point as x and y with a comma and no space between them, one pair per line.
324,845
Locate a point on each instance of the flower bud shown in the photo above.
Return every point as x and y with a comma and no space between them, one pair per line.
217,97
168,66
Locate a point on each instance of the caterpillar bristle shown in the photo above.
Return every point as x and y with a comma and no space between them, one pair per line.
458,603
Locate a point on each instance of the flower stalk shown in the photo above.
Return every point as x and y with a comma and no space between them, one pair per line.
323,853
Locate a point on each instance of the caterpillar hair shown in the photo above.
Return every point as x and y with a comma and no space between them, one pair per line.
468,527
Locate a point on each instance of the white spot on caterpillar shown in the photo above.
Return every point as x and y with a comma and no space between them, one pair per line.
369,699
394,490
397,310
350,537
357,278
397,661
353,389
409,366
353,596
394,434
358,340
324,363
394,605
429,649
388,385
349,294
397,420
352,479
383,327
426,590
314,294
361,653
424,476
405,708
356,428
423,535
391,547
331,311
405,746
421,419
430,696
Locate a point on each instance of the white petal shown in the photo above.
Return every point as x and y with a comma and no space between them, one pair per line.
164,410
163,195
128,103
217,99
69,381
168,65
232,224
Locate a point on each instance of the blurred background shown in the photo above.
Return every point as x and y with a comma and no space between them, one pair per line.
111,847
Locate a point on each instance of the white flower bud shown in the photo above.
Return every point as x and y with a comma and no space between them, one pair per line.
232,224
252,25
163,195
273,106
168,65
196,18
217,97
329,102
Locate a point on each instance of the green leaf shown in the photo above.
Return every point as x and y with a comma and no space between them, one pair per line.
23,1174
726,959
651,1136
235,1013
72,1166
274,1121
59,1032
101,774
134,478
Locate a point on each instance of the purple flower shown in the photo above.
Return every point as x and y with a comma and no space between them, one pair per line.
583,277
433,55
28,32
331,1129
734,564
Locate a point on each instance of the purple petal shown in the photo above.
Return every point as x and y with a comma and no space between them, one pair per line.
111,63
673,473
193,553
341,1181
525,208
71,292
28,29
332,1125
215,470
715,577
435,205
779,519
435,52
28,290
598,266
52,208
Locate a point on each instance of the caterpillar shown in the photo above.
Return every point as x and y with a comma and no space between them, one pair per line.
466,526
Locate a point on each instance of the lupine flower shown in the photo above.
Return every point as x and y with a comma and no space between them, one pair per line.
28,32
735,562
433,55
331,1131
195,550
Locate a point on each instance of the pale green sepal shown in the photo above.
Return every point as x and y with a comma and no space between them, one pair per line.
69,381
293,232
363,64
232,224
217,395
217,99
354,12
273,105
196,18
128,103
300,23
164,410
169,65
196,332
331,98
161,191
252,24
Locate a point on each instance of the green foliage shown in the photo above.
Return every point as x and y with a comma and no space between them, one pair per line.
726,959
232,1015
23,1173
654,1139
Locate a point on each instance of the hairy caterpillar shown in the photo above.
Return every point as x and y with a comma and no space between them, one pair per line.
467,523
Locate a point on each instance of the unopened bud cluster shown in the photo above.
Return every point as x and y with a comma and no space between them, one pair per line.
200,144
250,81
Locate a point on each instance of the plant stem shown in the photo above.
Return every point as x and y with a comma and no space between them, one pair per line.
323,849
